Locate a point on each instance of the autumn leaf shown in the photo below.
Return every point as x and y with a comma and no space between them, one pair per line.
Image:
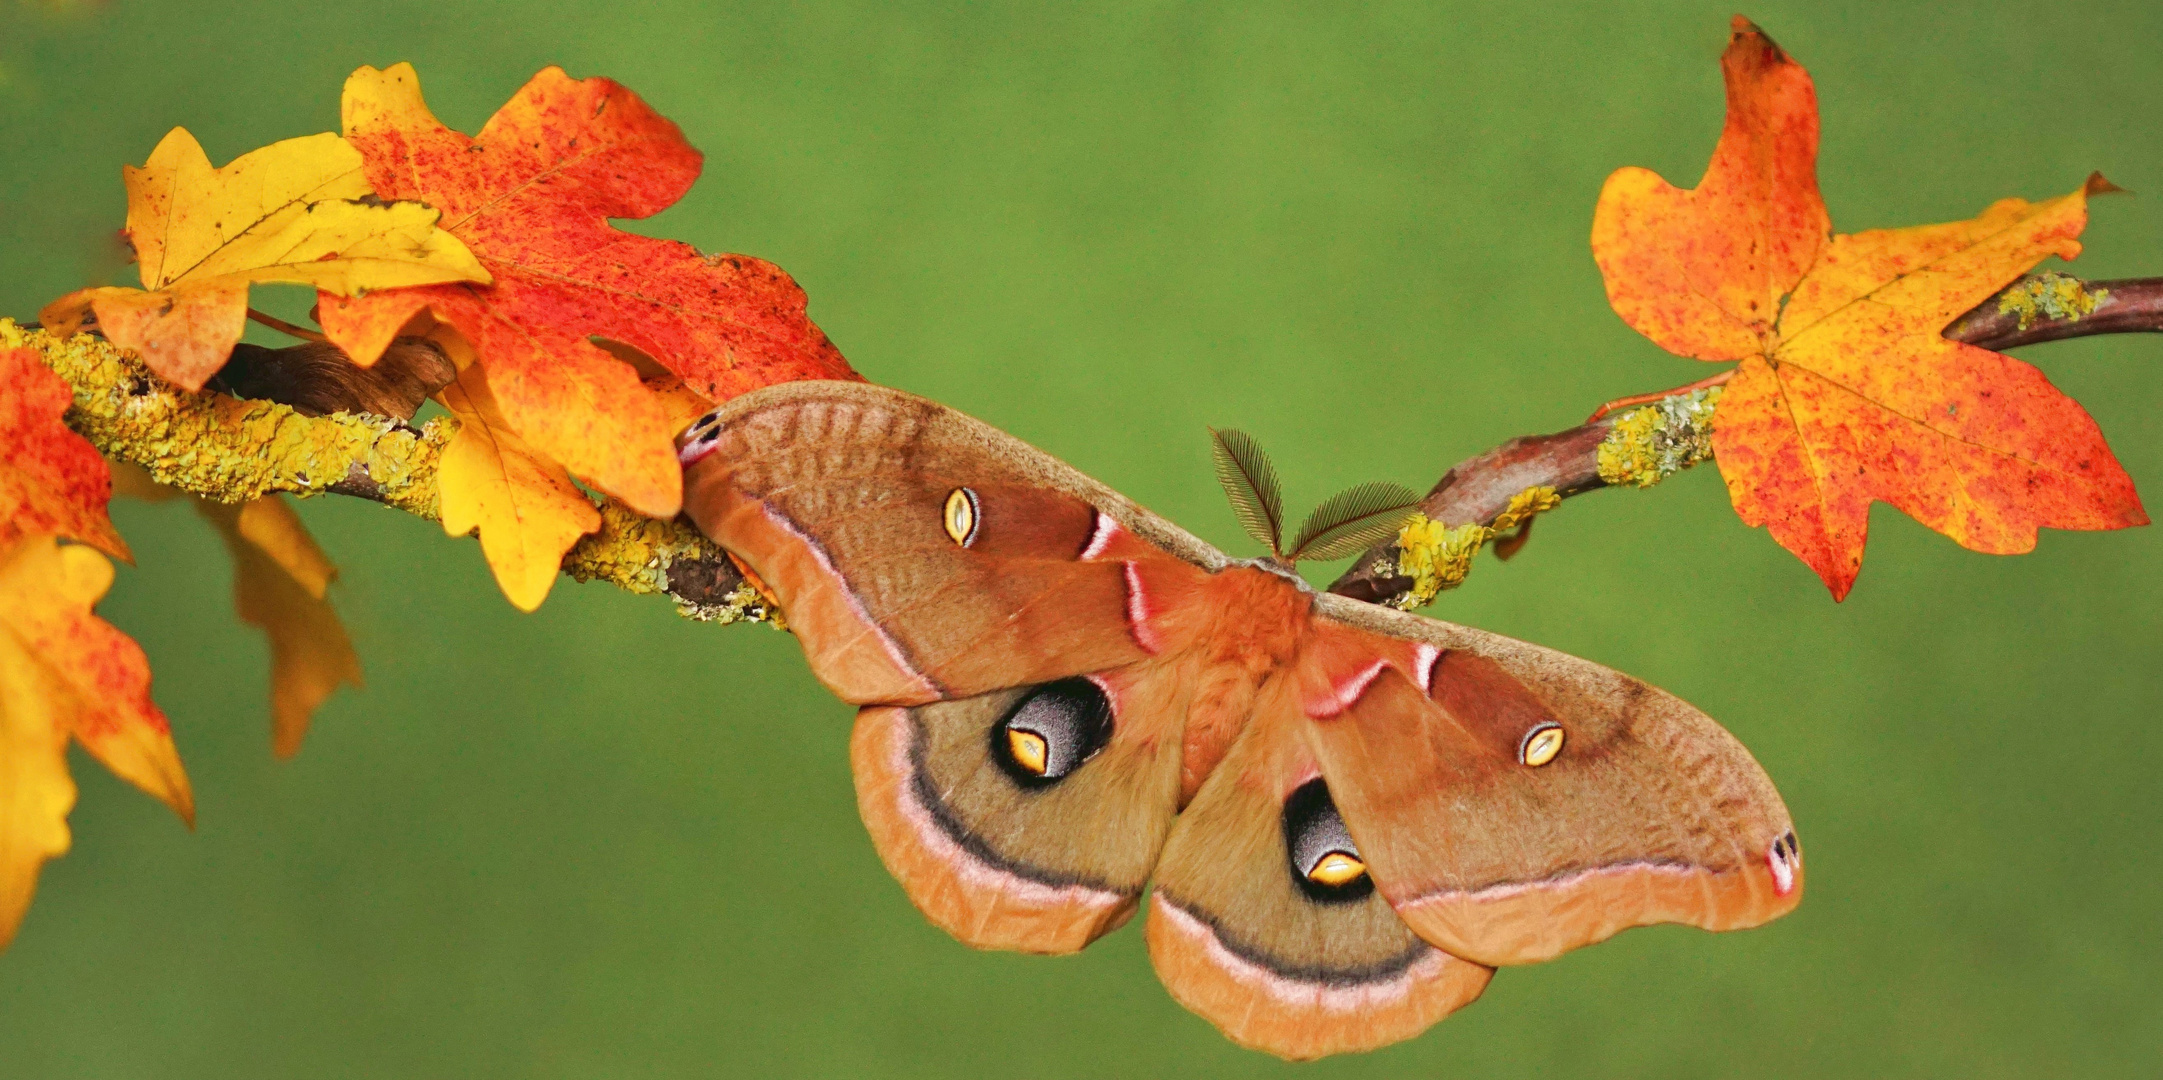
36,791
1847,393
281,583
52,481
291,211
525,505
65,673
532,196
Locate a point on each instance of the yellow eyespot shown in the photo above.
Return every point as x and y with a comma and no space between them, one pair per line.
1029,750
961,516
1335,869
1541,745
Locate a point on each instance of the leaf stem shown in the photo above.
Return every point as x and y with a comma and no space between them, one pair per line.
1647,399
284,327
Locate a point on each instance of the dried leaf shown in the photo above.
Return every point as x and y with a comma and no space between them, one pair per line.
52,481
281,580
290,212
1847,392
526,507
532,196
1250,481
1353,520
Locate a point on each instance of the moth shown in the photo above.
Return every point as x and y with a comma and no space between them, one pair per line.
1351,815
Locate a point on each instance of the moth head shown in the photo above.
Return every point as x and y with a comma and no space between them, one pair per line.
700,438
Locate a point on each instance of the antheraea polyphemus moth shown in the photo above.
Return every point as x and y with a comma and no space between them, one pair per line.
1351,815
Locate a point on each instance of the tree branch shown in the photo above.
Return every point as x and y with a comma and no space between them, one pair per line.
1640,447
324,432
233,450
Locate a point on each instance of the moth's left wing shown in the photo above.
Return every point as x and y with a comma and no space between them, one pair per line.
1514,802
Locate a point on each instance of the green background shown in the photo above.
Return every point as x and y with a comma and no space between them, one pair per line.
601,841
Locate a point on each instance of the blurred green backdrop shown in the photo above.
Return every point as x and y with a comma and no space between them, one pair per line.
602,841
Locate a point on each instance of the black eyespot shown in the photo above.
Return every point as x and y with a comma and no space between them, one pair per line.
1051,731
1324,861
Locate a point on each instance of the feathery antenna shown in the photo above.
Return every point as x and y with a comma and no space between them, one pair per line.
1250,481
1353,520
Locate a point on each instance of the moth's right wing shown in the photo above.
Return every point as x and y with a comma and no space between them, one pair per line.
921,555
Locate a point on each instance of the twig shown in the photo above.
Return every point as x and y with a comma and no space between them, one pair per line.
286,328
2052,307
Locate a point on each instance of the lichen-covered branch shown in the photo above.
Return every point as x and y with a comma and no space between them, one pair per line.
2052,307
232,450
1642,446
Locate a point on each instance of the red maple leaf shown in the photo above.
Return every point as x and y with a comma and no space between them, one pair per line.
531,196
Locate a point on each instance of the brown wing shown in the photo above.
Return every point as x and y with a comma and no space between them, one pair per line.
1000,613
1027,818
839,496
1523,802
1257,928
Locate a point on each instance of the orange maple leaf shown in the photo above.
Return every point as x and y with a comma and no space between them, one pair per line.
1848,393
52,481
64,673
531,197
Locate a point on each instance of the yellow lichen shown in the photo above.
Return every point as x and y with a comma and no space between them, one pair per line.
226,449
230,450
633,551
1437,556
2050,295
744,604
1650,443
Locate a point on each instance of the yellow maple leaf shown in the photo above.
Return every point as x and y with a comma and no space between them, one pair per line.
293,211
66,673
281,583
528,511
36,792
